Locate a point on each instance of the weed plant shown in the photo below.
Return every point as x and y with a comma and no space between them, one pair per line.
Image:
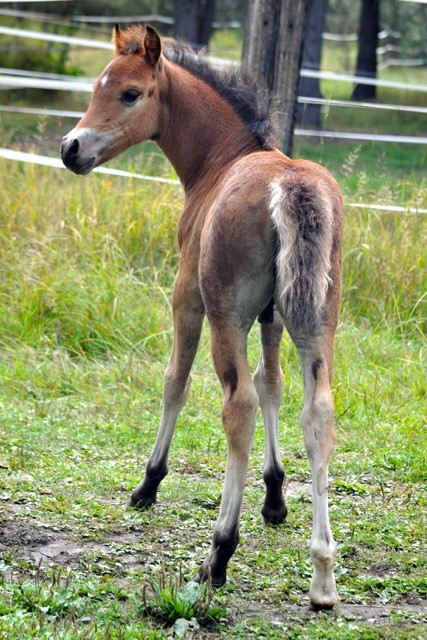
171,600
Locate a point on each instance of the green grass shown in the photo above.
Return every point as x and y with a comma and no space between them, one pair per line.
86,270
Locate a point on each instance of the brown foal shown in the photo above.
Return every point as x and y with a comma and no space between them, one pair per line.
260,235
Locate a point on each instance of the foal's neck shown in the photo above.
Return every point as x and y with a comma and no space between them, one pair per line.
200,133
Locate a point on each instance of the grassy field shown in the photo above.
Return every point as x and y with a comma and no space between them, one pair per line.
85,334
86,271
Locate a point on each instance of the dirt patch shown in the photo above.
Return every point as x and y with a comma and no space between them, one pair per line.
351,612
57,549
383,569
18,534
414,600
372,613
294,488
60,552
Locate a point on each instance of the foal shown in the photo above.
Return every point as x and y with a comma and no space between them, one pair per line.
257,230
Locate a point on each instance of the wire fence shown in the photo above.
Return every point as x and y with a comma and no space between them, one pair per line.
32,158
312,133
307,73
18,78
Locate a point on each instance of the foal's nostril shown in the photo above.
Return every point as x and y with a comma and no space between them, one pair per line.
73,149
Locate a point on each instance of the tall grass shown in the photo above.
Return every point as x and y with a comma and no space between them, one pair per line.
384,270
87,264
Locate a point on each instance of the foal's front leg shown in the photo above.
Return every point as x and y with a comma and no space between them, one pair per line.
188,312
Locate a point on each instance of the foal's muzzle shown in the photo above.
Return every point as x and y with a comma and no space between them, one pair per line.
70,154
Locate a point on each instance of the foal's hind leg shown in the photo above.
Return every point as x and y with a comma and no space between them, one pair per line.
188,312
238,417
317,422
268,381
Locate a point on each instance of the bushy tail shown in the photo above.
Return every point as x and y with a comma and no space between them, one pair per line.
302,216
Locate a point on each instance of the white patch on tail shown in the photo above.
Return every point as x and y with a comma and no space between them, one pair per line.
302,262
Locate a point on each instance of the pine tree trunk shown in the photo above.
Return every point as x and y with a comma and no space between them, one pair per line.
272,51
309,114
367,52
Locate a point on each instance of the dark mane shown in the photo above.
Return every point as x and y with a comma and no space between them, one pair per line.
236,87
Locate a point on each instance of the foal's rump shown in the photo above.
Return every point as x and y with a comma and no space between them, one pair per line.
273,231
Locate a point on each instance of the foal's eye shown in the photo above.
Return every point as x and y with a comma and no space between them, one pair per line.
130,96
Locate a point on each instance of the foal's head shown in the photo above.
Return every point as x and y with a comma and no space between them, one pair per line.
124,109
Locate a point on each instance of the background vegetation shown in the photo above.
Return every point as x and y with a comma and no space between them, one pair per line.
86,270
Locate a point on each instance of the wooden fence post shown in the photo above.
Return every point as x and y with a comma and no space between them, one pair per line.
273,44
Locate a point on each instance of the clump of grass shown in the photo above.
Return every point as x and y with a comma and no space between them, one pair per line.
44,597
170,600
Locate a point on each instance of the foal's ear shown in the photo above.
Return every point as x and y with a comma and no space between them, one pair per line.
152,45
138,40
118,39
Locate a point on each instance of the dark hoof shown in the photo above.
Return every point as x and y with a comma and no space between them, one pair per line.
214,567
320,607
274,516
217,579
141,502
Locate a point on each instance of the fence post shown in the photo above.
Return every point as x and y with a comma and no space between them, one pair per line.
273,43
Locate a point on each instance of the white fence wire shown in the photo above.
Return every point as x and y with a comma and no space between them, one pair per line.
308,73
19,156
312,133
33,158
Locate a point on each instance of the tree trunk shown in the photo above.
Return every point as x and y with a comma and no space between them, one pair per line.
273,43
205,22
193,21
309,114
367,53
